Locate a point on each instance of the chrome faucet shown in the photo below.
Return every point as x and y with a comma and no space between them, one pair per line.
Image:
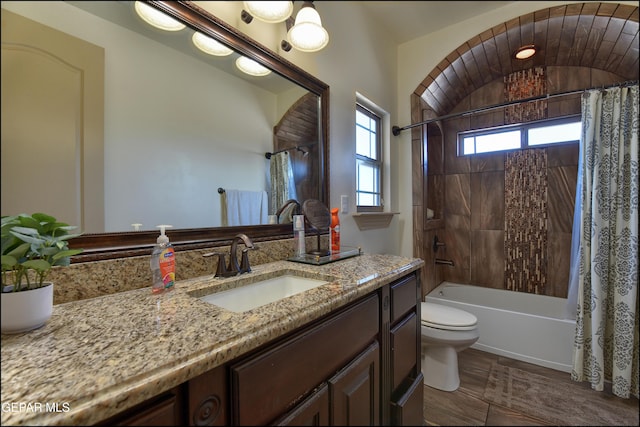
234,267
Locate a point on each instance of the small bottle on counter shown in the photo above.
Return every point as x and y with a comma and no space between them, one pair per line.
335,231
163,266
299,248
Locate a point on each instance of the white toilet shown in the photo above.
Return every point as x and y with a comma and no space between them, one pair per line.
445,331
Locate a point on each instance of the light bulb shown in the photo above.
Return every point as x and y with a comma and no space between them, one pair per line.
307,34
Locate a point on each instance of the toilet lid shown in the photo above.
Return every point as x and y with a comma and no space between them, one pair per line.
445,317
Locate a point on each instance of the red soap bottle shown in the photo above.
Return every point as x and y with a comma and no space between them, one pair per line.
335,231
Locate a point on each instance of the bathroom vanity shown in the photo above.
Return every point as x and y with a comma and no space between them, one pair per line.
343,353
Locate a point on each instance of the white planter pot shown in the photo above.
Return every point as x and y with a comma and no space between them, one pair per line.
27,310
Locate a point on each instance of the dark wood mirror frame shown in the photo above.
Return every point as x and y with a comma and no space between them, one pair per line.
126,244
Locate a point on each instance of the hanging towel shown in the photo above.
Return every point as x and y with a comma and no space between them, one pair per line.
244,207
283,186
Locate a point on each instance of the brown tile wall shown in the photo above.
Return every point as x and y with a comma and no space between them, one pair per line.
468,196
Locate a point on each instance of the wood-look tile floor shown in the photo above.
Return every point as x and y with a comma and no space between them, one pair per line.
466,406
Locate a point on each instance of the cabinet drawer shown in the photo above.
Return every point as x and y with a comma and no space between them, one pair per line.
404,350
407,410
404,297
270,383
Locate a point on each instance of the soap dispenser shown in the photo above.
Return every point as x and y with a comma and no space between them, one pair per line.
163,267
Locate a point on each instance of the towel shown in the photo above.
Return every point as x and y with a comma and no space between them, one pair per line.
244,207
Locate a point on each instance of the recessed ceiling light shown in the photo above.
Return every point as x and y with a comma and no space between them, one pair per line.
525,52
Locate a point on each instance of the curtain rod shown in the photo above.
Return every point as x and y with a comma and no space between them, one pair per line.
268,154
396,130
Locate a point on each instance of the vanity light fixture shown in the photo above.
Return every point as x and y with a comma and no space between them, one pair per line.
251,67
209,45
307,33
156,18
525,52
271,12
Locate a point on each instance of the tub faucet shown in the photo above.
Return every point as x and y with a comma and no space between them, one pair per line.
234,267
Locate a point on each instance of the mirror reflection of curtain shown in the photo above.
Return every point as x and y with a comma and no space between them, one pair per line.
283,186
606,343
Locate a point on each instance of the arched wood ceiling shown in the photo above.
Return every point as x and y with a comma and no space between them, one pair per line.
595,35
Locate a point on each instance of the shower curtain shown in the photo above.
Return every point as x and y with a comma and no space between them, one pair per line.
283,186
606,260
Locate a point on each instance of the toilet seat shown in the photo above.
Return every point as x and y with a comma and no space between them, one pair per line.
447,318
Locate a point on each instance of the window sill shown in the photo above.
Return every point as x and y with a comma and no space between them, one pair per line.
373,220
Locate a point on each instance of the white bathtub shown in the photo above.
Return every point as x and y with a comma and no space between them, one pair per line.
522,326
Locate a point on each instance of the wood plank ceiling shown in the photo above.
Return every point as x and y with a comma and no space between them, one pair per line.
594,35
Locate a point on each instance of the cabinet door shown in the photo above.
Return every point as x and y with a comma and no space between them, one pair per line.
404,351
407,410
354,391
314,411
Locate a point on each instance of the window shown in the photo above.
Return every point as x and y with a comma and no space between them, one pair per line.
535,134
368,160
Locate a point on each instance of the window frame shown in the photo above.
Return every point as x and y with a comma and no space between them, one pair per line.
377,163
524,134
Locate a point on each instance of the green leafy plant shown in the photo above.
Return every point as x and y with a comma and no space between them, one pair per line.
31,245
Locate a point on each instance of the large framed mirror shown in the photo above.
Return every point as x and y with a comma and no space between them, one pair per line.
208,136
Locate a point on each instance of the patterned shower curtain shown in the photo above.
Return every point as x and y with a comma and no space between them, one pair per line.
283,185
606,342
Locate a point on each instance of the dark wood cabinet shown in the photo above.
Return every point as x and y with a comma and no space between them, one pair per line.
267,384
207,398
354,392
165,409
359,365
313,411
404,370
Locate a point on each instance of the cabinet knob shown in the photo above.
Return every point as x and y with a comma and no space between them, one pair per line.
207,412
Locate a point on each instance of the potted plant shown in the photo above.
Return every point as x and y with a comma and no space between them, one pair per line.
31,245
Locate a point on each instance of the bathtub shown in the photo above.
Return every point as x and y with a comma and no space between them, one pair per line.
522,326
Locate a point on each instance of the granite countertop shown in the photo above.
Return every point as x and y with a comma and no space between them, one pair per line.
98,357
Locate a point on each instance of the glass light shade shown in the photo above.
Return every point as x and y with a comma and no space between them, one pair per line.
526,52
209,45
307,34
251,67
156,18
269,11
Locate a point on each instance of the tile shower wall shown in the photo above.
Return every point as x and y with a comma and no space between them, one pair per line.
525,222
475,196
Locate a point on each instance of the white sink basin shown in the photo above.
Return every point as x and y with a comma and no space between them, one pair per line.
254,295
